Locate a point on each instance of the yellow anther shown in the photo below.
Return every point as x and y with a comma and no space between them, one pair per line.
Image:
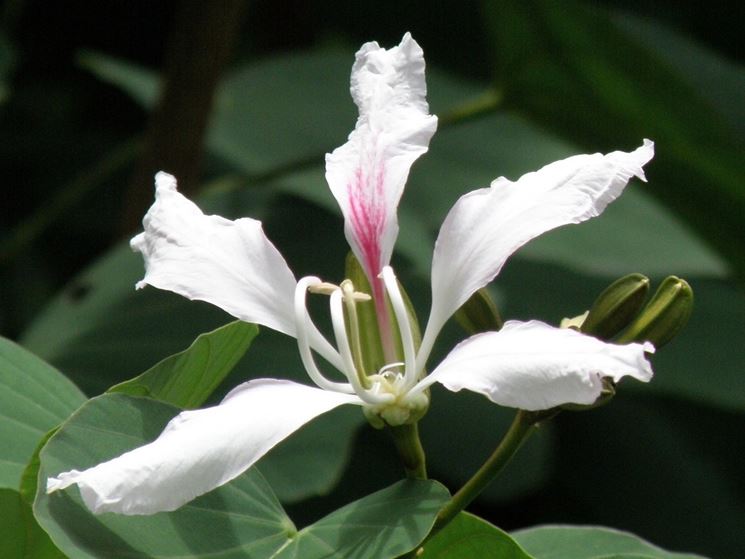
323,288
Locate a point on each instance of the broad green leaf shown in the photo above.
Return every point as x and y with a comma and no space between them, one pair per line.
380,526
312,461
240,519
34,398
188,378
560,64
20,536
30,476
588,542
469,536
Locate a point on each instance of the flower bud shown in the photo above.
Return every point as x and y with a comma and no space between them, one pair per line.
664,316
479,314
616,307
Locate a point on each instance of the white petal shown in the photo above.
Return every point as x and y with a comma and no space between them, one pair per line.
201,450
368,173
230,264
486,226
534,366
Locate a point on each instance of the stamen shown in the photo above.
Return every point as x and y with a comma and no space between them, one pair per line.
323,288
354,374
404,326
350,301
304,326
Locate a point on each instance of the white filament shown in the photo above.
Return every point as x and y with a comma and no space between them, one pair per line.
304,326
342,342
404,326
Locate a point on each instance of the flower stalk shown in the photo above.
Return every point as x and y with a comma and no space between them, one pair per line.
410,450
521,428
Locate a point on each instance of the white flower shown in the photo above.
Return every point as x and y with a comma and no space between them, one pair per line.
232,264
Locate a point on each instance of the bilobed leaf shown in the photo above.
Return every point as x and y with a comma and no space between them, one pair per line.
383,525
469,536
34,398
240,519
312,461
188,378
589,542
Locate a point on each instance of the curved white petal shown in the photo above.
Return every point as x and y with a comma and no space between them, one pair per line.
486,226
230,264
202,449
368,173
534,366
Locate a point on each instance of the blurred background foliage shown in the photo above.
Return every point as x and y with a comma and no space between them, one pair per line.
516,84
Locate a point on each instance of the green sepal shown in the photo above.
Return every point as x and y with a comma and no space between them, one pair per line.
616,306
664,316
479,314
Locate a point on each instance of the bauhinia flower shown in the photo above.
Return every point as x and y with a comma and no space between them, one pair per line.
232,264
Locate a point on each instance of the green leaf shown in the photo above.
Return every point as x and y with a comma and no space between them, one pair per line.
312,461
241,519
380,526
20,535
30,476
469,536
188,378
559,64
244,518
34,398
588,542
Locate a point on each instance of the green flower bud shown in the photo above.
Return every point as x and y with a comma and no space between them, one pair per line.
479,314
616,307
664,316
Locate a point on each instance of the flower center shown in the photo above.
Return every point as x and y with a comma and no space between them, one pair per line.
384,393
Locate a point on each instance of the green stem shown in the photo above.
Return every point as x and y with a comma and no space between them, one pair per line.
522,426
409,447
